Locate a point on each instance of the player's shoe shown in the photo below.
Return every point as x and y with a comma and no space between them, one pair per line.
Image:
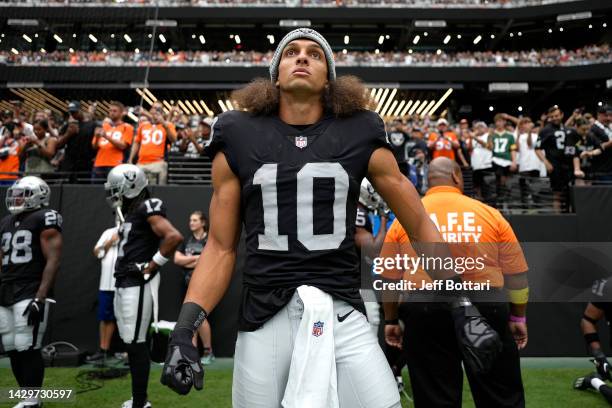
207,359
97,357
584,383
128,404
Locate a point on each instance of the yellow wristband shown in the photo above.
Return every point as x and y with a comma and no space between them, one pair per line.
518,296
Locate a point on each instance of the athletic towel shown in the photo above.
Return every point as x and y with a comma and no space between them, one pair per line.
312,379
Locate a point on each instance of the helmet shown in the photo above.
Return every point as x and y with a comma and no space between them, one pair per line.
28,193
368,196
124,181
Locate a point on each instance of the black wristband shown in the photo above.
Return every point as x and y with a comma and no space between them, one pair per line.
190,317
392,322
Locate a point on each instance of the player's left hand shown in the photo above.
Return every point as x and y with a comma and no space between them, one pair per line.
182,368
35,312
393,335
519,332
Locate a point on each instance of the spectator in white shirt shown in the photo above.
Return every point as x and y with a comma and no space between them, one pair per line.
481,159
106,251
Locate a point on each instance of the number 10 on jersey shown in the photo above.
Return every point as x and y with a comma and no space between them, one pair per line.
266,177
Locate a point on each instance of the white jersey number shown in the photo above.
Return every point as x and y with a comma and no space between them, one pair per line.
266,176
17,248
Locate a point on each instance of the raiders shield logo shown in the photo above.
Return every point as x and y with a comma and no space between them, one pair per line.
301,141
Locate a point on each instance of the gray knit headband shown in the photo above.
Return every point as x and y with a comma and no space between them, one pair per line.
308,34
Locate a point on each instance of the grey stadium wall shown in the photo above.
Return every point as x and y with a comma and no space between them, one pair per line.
86,215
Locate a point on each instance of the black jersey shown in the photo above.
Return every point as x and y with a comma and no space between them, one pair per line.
137,241
363,218
559,144
298,202
23,261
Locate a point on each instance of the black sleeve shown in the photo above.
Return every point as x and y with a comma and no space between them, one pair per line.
153,206
182,246
379,136
219,139
598,134
542,138
51,219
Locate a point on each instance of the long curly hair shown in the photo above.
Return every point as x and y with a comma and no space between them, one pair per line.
343,97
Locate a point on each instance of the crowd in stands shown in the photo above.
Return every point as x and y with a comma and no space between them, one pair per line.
576,150
299,3
591,54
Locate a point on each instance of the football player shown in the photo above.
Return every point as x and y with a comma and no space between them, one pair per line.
368,245
594,312
31,250
299,146
147,240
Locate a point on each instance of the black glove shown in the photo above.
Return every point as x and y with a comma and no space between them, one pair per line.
35,311
478,341
601,363
182,368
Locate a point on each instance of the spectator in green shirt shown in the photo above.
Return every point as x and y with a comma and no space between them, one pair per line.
503,146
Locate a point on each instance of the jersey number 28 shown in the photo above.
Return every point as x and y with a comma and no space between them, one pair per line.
17,248
271,240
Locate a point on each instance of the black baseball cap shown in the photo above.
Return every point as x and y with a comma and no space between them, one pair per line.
74,106
604,109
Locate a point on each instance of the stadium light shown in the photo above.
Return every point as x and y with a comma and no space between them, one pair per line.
378,95
574,16
427,109
71,50
112,35
346,39
491,108
440,101
425,34
405,110
561,28
222,105
198,107
191,108
458,36
410,51
377,51
399,108
144,96
57,38
229,105
423,105
512,35
42,50
520,33
137,51
382,100
393,105
27,38
104,50
93,38
36,35
237,39
430,23
294,23
414,107
381,39
492,36
271,38
590,26
202,39
387,37
438,51
161,23
150,35
208,111
550,31
600,103
520,108
162,38
127,38
389,100
14,51
447,39
604,25
477,39
193,36
150,94
416,39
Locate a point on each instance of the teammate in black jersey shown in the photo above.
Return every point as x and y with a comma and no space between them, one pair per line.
31,250
147,240
556,147
290,168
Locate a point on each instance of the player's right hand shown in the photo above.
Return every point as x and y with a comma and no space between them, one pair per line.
35,312
478,341
393,335
601,363
182,368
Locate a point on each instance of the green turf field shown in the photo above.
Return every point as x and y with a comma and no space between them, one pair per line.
547,384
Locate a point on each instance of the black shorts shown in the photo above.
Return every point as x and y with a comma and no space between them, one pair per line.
501,171
605,307
560,179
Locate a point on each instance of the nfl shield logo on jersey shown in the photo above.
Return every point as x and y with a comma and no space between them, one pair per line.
301,141
317,329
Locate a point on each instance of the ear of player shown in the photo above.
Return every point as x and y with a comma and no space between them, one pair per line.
182,368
